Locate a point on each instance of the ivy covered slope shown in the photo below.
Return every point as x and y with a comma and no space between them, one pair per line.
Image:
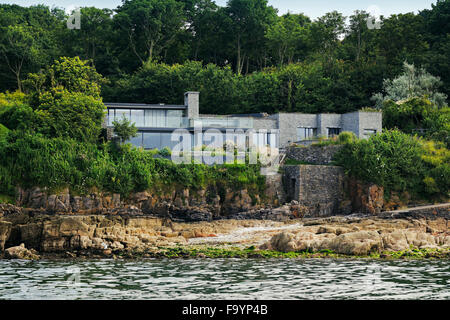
51,137
400,163
33,160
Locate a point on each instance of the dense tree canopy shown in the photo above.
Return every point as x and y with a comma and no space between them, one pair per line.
61,101
147,49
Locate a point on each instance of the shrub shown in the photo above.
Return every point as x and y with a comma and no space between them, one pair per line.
124,129
399,162
346,137
3,131
32,160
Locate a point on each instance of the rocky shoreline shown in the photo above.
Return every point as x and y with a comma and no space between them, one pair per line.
266,233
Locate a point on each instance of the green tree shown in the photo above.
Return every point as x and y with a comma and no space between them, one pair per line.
149,26
71,114
326,32
29,39
401,38
94,41
19,47
124,129
17,114
412,83
418,116
288,37
437,60
250,20
73,74
399,162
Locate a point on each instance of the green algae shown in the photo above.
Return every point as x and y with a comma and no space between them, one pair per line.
252,252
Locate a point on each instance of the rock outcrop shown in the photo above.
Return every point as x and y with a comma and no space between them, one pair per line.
20,252
360,237
5,231
130,230
366,198
108,233
195,206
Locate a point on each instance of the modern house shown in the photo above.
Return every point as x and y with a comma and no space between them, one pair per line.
156,122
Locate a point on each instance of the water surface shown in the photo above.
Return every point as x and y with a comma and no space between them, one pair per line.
225,279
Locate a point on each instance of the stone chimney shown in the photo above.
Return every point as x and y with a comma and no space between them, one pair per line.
192,101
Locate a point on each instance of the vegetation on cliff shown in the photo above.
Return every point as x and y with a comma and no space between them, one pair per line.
52,137
399,162
33,160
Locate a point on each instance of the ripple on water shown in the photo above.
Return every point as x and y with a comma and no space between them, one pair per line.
225,279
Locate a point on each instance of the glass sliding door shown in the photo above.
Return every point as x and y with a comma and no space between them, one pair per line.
137,141
152,140
137,117
120,113
305,133
155,118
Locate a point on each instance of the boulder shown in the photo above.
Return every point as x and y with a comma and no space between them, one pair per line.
5,231
284,242
20,252
395,241
355,243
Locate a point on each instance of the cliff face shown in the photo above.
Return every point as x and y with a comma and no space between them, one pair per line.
5,231
97,233
182,203
27,234
366,197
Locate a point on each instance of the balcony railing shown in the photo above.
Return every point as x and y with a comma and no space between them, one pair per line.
225,122
160,122
184,122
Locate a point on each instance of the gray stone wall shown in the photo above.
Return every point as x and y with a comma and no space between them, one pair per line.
350,122
328,120
312,154
192,101
264,123
319,188
288,123
371,121
358,122
275,190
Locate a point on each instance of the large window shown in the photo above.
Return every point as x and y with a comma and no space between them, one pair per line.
120,113
150,118
158,140
111,114
152,140
369,132
155,118
174,118
137,117
137,141
306,133
332,132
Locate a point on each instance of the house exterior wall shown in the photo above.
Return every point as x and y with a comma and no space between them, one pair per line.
350,122
328,120
288,123
358,122
319,188
192,102
363,124
264,123
370,121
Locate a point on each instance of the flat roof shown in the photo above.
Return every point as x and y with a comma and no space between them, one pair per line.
143,106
